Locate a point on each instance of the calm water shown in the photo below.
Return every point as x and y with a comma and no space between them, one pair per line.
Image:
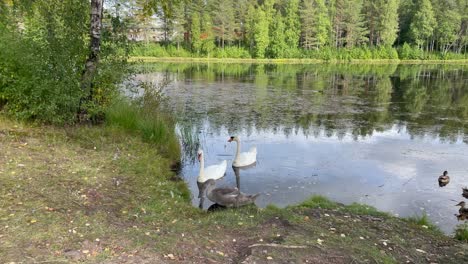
374,134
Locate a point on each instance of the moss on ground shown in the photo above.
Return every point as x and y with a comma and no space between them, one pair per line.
100,195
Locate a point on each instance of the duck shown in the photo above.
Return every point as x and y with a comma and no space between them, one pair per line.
465,192
227,196
243,159
213,172
463,212
444,179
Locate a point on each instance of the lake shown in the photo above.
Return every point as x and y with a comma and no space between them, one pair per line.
373,134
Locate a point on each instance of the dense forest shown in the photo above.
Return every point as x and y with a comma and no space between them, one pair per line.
290,28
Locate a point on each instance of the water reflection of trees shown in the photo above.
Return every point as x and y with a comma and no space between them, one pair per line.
429,100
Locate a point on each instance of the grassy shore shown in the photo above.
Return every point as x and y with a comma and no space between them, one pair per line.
102,194
290,61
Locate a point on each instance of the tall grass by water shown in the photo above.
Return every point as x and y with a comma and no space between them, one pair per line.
153,125
461,232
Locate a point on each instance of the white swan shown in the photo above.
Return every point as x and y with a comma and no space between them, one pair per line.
245,158
211,172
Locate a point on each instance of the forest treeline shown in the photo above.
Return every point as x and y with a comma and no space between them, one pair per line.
326,29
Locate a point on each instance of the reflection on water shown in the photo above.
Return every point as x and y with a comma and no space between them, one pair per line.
374,134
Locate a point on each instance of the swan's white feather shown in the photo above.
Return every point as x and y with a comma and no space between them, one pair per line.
246,158
213,172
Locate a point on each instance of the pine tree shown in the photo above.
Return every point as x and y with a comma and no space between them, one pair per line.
260,33
207,36
292,24
388,21
315,24
449,22
307,24
224,21
278,44
354,25
177,25
196,32
250,27
423,23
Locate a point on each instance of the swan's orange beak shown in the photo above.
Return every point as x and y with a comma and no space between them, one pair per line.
199,156
230,139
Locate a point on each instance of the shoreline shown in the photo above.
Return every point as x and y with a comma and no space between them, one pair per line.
110,196
289,61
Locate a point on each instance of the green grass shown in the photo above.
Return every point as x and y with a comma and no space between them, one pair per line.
424,222
153,126
461,232
363,209
318,202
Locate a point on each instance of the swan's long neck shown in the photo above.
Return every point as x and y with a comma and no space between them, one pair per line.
202,167
209,189
238,149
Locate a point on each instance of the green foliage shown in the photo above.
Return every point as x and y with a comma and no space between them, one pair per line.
43,60
232,52
292,24
318,202
260,34
196,33
388,21
423,23
278,45
406,52
144,118
315,24
41,66
461,232
207,36
338,29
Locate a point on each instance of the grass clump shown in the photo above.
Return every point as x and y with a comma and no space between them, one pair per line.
153,126
362,209
461,232
423,221
318,202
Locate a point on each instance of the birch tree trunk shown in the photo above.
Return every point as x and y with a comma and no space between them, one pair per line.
94,48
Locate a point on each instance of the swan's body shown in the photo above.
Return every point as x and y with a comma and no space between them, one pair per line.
444,179
213,172
243,159
227,196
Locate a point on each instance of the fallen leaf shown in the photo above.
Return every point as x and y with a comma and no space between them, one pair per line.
85,251
269,258
343,235
319,241
33,221
171,256
420,250
220,253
